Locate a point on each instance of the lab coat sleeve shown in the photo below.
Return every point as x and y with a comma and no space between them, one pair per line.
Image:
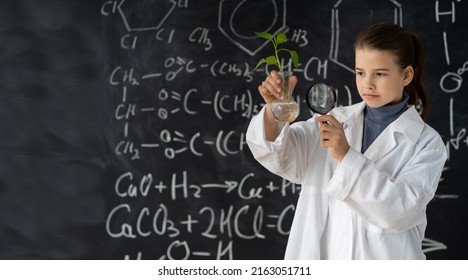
283,156
393,204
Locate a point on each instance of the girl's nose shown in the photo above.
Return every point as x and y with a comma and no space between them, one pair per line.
369,84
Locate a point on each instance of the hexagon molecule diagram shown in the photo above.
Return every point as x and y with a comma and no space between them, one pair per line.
147,15
349,17
238,20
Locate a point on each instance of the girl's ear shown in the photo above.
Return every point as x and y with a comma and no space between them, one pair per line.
408,75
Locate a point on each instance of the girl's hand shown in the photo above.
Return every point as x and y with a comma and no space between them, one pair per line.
270,89
332,136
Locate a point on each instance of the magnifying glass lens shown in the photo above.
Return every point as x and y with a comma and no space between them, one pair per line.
321,98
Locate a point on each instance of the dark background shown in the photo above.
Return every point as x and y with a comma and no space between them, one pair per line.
123,123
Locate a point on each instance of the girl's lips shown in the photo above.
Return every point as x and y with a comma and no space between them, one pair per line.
370,96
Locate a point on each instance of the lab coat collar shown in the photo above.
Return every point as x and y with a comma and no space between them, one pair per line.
408,124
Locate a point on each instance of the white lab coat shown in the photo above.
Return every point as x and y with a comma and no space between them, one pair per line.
369,206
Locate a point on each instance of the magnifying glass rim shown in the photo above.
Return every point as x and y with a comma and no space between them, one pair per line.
334,95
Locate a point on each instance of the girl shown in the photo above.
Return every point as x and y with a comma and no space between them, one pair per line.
368,170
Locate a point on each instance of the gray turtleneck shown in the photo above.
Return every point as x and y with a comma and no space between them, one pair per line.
377,119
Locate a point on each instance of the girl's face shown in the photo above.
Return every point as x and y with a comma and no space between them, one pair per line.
379,79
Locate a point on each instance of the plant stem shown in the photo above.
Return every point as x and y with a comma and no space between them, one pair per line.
278,63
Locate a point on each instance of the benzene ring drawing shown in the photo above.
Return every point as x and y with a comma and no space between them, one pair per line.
238,20
349,17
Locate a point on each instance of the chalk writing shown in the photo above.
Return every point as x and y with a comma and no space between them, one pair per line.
183,93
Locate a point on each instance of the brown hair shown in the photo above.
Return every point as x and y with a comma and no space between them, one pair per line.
407,47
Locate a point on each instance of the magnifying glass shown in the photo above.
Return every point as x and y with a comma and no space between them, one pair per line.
321,98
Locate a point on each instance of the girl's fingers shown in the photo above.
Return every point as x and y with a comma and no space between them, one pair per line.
274,74
270,88
330,120
326,138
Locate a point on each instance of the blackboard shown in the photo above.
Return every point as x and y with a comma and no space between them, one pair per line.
123,122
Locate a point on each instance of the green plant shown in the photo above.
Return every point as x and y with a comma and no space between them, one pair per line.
284,109
275,59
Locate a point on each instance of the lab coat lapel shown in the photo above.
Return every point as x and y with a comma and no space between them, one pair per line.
353,130
352,120
382,145
408,124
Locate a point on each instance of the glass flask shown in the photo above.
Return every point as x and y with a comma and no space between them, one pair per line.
285,109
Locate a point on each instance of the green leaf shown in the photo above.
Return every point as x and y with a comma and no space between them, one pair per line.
271,60
274,59
264,35
294,58
281,38
260,63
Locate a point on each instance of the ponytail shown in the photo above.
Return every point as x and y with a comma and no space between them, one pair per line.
418,95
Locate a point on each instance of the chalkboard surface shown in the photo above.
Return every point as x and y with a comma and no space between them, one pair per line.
123,122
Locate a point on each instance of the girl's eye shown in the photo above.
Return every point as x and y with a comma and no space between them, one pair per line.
359,73
380,74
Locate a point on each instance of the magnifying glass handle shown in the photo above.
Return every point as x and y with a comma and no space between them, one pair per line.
325,122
